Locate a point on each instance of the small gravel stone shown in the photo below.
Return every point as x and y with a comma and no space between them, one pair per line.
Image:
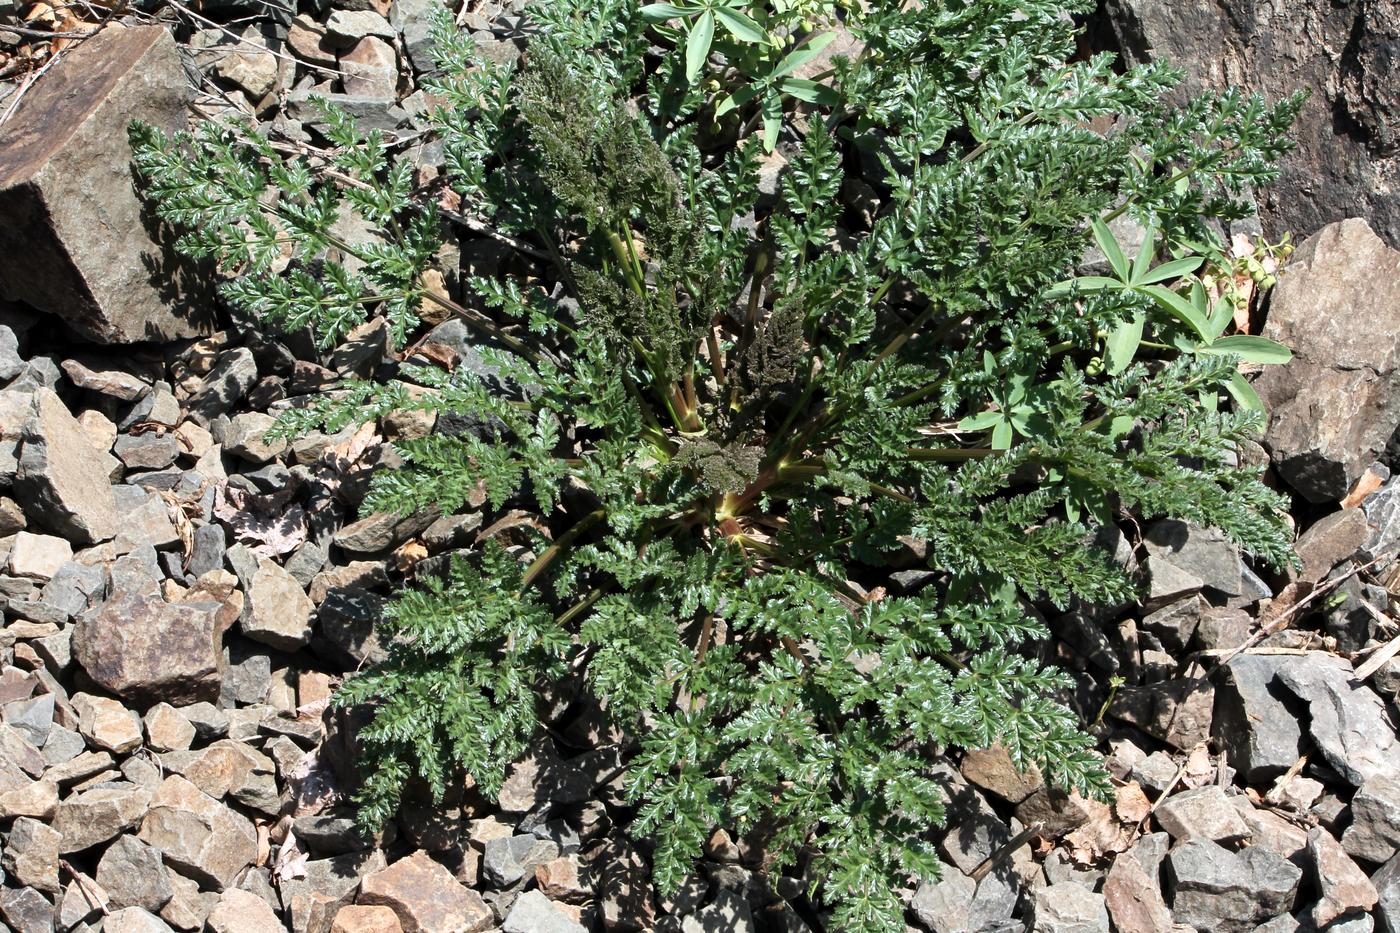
38,556
107,724
1202,813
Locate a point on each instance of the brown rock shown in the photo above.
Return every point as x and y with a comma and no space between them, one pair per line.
1344,886
992,769
198,835
307,39
365,919
1340,275
370,69
279,611
241,911
107,724
1329,541
167,730
147,650
426,898
72,243
38,556
560,880
39,800
1176,711
98,815
60,477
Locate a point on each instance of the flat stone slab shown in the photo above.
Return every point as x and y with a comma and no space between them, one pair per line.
70,220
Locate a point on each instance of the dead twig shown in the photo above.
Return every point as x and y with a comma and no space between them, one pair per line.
1377,659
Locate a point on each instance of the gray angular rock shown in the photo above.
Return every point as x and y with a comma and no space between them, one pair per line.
30,855
1205,554
59,477
510,858
133,875
532,912
1374,833
1387,882
73,243
26,910
147,650
944,906
1213,888
1253,719
1202,813
1175,624
147,451
134,920
1069,908
1348,722
1342,274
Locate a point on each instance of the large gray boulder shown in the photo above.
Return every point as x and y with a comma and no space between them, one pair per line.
71,224
1336,403
1348,133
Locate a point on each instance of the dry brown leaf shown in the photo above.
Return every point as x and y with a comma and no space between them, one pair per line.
1131,803
408,554
439,354
1200,770
1101,836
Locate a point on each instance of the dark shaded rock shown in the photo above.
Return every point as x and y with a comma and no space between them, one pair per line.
71,243
230,379
1342,274
1176,711
1348,146
1253,719
147,650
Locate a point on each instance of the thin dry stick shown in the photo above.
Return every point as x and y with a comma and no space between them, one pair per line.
91,896
1142,823
1006,851
1323,588
1378,658
29,82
